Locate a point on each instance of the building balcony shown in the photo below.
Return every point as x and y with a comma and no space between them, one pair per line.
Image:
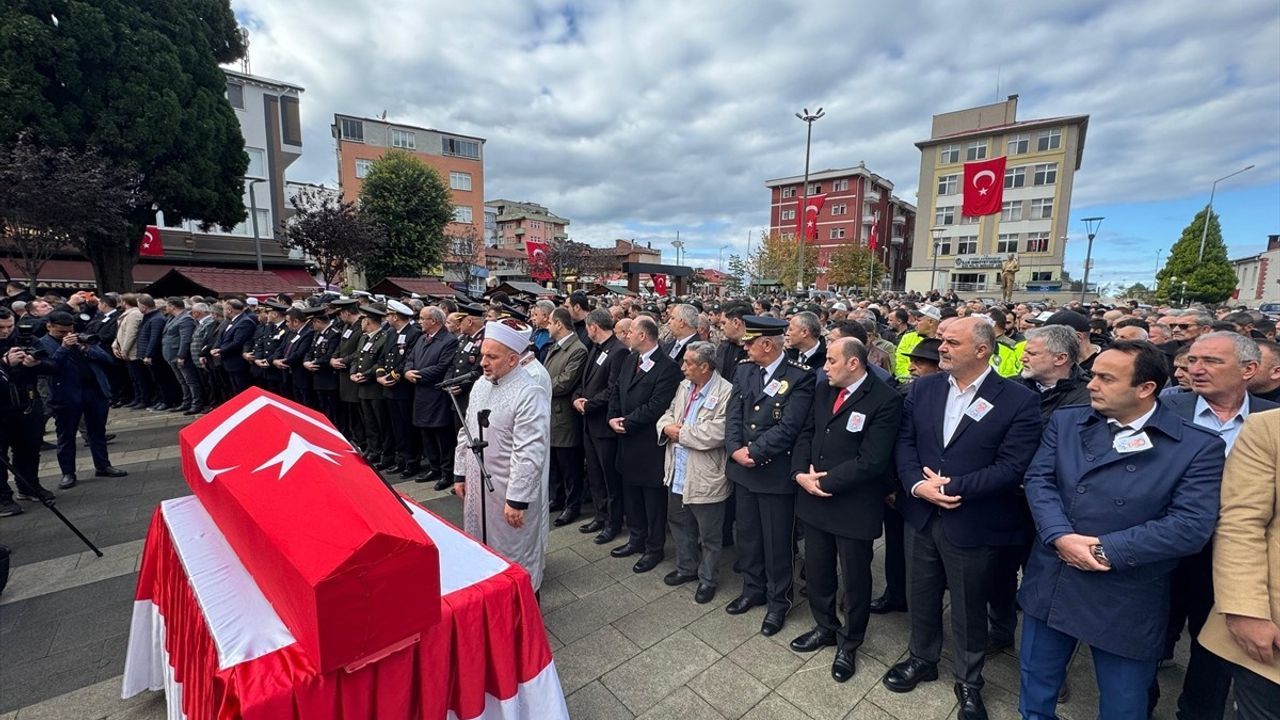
871,196
899,220
869,219
520,232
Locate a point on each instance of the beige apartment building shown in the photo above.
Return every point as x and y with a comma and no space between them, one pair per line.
1043,157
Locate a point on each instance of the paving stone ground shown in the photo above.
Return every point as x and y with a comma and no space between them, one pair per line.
625,645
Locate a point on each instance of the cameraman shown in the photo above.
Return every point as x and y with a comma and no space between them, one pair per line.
21,419
78,388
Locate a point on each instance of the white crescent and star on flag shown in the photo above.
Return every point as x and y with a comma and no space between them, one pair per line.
296,447
148,237
978,176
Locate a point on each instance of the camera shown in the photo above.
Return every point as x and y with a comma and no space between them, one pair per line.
35,352
89,339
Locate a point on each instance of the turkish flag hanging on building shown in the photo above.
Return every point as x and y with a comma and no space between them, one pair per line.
539,269
151,246
660,285
873,241
807,219
983,187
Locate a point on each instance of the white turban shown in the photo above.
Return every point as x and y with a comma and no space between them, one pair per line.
516,339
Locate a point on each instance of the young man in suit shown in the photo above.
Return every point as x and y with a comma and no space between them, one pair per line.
967,437
843,464
599,377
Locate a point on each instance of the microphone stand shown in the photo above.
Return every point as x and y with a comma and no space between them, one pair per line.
22,480
477,447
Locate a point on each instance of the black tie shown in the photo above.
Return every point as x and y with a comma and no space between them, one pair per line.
1117,428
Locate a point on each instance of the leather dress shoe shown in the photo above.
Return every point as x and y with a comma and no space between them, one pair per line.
971,705
674,578
647,562
159,407
773,622
566,517
427,476
595,526
444,483
704,594
179,408
813,640
606,535
741,604
109,471
843,667
194,410
882,605
395,469
906,675
626,550
68,481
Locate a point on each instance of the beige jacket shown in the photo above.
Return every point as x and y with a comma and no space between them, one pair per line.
1246,545
704,479
127,333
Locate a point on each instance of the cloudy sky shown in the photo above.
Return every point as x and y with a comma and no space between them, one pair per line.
641,119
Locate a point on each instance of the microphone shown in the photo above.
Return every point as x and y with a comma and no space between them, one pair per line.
460,380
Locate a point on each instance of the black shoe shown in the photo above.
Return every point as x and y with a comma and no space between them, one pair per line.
427,476
67,482
882,605
704,594
595,526
647,562
409,472
843,667
995,646
394,469
626,550
971,705
108,437
159,407
813,640
46,445
606,535
10,508
566,517
194,410
109,471
179,408
674,578
741,604
906,675
444,483
773,622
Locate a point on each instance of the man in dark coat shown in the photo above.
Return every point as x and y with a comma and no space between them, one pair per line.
151,353
238,332
349,338
324,380
380,446
599,377
403,334
427,367
293,353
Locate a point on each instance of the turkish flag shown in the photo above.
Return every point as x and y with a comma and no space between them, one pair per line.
660,285
151,246
537,250
807,220
983,187
875,233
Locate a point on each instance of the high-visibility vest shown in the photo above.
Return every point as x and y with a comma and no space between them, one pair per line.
902,363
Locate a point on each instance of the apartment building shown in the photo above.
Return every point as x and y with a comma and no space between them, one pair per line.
1258,276
516,223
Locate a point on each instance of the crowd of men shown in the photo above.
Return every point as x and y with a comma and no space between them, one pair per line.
1065,463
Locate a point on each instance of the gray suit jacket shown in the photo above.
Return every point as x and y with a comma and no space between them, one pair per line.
175,343
1184,404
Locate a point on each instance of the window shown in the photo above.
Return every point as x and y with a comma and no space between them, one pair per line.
1019,144
1007,243
944,246
789,215
788,236
839,185
1015,177
350,129
1038,242
246,228
460,181
404,139
1042,208
257,162
815,188
1049,140
462,213
837,233
948,184
969,219
976,151
789,192
945,216
1046,174
1042,276
290,121
1011,211
362,167
841,209
948,154
235,94
967,245
460,147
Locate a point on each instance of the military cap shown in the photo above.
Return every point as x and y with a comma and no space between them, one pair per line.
277,306
315,313
251,302
374,310
510,310
926,349
651,307
761,326
398,308
342,303
472,309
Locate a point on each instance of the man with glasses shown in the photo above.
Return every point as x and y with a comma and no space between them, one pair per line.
427,366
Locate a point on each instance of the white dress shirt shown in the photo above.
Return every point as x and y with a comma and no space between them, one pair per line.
958,400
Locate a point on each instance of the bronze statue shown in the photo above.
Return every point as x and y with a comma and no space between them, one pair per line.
1008,270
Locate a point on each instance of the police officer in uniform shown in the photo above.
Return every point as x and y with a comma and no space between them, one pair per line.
402,335
467,359
379,445
349,341
324,380
267,340
771,402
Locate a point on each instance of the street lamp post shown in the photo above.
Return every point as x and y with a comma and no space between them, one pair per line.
937,245
253,214
678,245
804,203
1091,225
1182,296
1208,209
1155,278
720,265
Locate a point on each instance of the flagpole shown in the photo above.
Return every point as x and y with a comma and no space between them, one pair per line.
804,204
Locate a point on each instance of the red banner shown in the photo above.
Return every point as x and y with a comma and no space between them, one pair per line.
151,246
539,267
660,285
983,187
807,220
873,241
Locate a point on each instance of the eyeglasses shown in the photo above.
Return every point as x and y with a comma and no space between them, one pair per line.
1182,326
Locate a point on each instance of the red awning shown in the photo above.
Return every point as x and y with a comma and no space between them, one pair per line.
221,282
77,273
407,286
299,277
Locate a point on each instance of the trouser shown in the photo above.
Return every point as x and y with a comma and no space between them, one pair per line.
1045,653
766,531
122,386
1002,606
566,477
438,444
697,532
1207,683
1257,698
167,389
189,376
352,424
377,428
406,439
143,387
730,516
823,554
895,558
937,565
647,516
20,437
207,391
605,482
93,409
237,380
327,403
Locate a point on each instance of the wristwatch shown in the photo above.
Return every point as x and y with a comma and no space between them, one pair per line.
1099,554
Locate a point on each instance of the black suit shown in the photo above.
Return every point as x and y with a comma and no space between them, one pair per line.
768,424
408,441
679,348
814,361
600,443
640,397
432,357
841,528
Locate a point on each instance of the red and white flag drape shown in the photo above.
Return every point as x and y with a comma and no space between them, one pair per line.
983,187
807,218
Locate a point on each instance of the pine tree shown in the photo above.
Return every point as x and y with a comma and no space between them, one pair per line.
1209,279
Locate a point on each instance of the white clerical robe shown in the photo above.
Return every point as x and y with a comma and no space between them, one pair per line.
517,458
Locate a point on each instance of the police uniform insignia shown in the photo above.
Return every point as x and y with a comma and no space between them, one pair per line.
782,387
777,412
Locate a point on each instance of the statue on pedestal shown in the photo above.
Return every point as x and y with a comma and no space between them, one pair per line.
1008,270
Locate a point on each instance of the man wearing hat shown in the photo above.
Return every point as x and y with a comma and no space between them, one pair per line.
518,407
379,445
324,381
771,401
927,319
403,336
268,337
466,361
292,353
344,355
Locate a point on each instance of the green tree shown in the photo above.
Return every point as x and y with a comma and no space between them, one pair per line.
1209,280
736,278
1138,291
850,266
138,80
777,257
412,205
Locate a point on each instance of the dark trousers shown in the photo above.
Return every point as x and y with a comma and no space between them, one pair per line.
566,477
238,380
937,565
604,480
823,554
647,516
1257,698
189,376
350,422
20,436
407,439
895,558
122,386
696,532
1045,653
143,387
168,391
766,528
1208,680
438,444
377,428
327,403
92,409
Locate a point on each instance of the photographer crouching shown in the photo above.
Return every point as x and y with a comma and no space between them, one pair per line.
77,367
21,419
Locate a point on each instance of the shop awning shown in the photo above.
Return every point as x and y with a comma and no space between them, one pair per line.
76,274
222,282
402,286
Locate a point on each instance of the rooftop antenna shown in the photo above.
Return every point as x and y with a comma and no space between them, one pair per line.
383,116
244,61
998,69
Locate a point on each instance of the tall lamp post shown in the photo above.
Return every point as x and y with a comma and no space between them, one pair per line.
1208,209
253,215
678,245
804,203
1091,225
937,245
720,266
